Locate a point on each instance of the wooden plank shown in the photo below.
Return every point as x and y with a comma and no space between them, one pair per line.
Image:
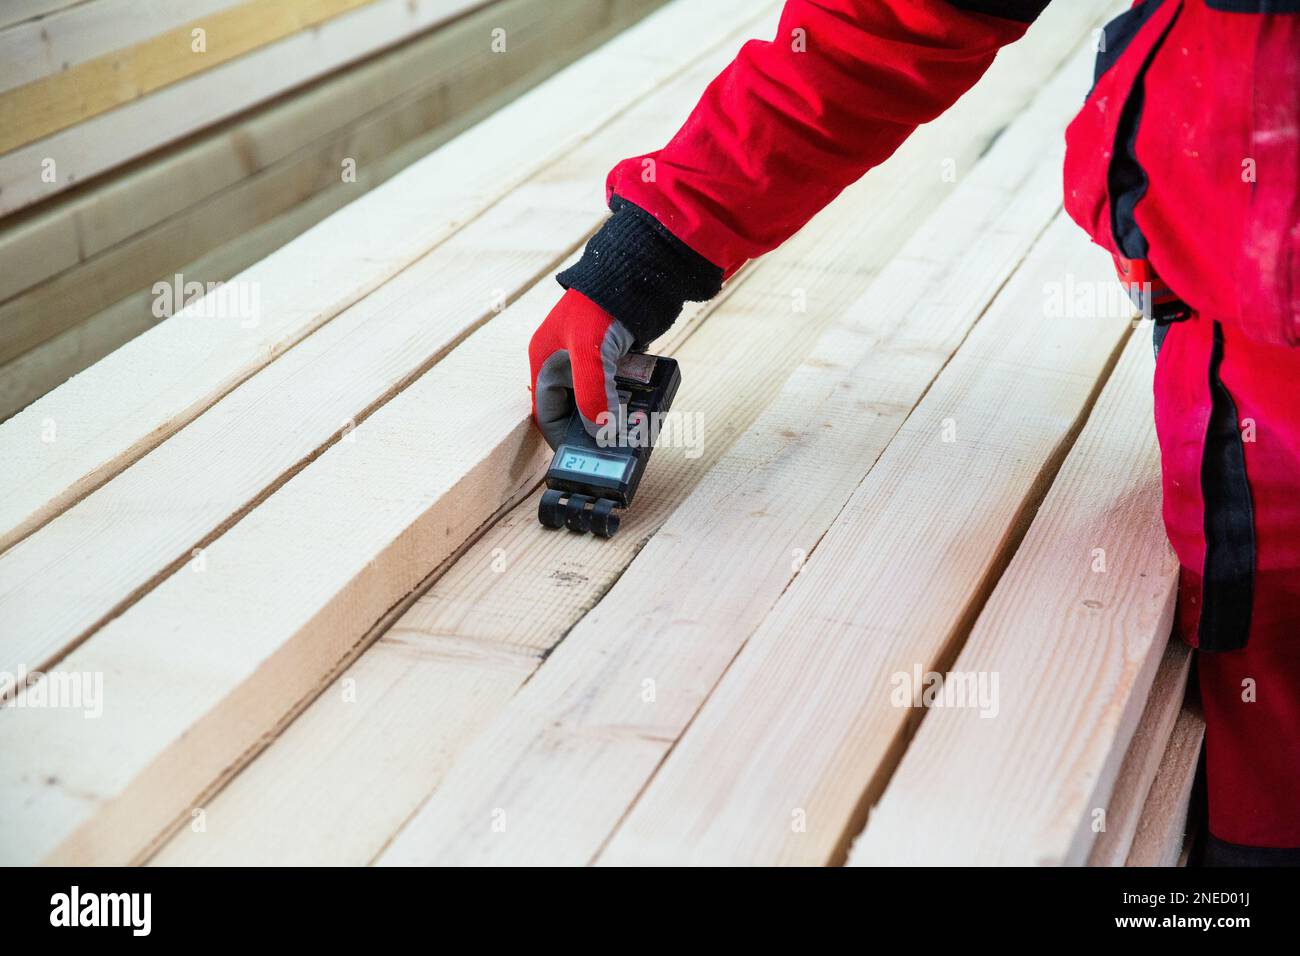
583,723
188,362
37,48
1161,830
107,141
44,311
806,723
1074,632
157,254
1149,743
453,62
29,377
101,554
38,109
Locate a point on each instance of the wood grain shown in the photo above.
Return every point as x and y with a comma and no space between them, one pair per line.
464,73
457,102
1150,740
581,734
805,726
1074,632
451,662
1162,829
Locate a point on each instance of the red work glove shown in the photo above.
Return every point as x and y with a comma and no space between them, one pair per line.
573,356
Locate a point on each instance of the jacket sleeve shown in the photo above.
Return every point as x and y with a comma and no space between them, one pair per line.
775,137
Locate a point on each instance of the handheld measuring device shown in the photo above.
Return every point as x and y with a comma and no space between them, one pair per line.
589,478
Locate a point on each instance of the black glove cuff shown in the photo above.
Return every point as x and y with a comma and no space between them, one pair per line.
640,273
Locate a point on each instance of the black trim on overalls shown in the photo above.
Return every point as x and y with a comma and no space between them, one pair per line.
1118,33
1254,6
1126,180
1228,581
1228,577
1023,11
1222,853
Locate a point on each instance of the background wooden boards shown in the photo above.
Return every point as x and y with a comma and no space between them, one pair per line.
212,206
107,140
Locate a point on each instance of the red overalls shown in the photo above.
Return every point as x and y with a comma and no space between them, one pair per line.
1185,161
1199,174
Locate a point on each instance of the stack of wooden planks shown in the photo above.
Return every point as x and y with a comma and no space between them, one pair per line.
297,552
109,223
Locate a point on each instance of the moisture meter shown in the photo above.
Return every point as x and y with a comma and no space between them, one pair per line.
591,476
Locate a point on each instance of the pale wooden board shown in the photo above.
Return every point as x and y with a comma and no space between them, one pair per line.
44,311
38,109
91,561
453,61
1074,636
106,141
38,48
182,366
1163,825
473,73
452,661
226,693
582,724
331,801
36,372
1133,782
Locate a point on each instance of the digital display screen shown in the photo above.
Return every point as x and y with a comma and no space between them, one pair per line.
587,465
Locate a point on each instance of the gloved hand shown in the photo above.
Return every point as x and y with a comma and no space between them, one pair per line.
573,356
